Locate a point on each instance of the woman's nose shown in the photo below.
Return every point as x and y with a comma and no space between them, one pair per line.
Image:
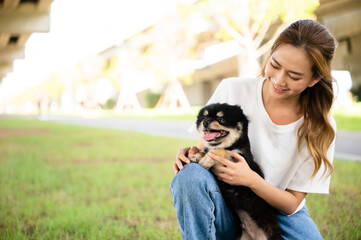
280,78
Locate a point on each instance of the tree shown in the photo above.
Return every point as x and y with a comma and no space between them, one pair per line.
168,49
164,44
255,25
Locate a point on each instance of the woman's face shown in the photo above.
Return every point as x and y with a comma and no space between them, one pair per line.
289,72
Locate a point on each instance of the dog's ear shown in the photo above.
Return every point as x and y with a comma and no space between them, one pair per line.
200,116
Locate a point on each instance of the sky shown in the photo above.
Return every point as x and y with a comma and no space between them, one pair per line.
79,29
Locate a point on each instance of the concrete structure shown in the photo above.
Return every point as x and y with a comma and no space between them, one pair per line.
343,19
207,79
18,20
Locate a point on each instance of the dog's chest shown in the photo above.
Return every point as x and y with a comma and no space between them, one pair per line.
250,227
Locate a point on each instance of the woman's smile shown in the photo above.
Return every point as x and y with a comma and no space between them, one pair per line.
278,89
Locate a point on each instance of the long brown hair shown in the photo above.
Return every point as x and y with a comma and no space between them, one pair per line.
315,101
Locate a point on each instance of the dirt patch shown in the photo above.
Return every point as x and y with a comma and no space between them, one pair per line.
169,223
84,144
2,226
28,229
19,132
87,162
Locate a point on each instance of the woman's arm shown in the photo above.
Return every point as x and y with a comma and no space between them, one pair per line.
239,173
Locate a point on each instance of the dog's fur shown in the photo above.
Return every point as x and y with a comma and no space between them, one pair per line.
224,127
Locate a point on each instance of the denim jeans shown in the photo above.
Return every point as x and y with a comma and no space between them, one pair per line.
202,213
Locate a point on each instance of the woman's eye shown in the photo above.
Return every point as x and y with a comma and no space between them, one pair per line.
294,78
274,66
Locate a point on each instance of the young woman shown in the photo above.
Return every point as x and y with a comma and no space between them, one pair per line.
292,138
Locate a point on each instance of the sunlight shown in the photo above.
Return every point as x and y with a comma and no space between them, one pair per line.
79,29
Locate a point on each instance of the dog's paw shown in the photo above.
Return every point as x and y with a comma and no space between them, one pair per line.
207,162
196,157
221,152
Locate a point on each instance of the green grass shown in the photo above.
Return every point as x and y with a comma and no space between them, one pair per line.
348,117
69,182
338,214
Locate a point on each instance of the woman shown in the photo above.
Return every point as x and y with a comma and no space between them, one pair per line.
292,138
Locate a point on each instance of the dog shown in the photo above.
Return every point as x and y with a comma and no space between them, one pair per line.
223,128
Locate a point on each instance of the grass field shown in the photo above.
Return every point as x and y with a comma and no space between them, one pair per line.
69,182
348,117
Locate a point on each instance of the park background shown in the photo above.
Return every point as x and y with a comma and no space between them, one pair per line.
141,62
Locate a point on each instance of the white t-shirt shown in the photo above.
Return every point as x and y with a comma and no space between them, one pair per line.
274,147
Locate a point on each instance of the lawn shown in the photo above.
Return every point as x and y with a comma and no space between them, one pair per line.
69,182
348,117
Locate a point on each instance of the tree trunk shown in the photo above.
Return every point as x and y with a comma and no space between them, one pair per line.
172,95
248,65
127,100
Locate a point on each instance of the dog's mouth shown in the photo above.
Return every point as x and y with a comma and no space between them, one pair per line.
211,135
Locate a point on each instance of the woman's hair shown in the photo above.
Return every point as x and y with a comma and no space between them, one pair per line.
315,101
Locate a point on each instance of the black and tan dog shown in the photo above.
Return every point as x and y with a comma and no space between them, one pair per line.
224,127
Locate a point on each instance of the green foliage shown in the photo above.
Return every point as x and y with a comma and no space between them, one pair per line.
256,12
356,92
51,89
110,104
151,99
289,11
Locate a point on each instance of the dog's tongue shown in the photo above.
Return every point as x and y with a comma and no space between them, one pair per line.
210,135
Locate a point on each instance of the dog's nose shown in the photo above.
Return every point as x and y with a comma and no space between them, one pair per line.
206,123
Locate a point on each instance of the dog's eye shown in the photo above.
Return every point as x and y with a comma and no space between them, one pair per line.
221,120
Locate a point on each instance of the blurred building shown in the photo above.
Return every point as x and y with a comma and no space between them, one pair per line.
343,19
130,61
18,20
217,66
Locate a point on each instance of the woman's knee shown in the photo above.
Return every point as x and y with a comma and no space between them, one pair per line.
293,230
191,178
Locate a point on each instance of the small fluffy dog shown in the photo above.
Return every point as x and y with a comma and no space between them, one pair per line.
224,127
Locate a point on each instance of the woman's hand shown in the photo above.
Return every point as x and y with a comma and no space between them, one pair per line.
182,157
234,173
239,173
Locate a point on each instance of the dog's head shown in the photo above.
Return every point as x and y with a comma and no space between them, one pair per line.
221,125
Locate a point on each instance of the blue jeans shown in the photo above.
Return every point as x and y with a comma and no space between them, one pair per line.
203,214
